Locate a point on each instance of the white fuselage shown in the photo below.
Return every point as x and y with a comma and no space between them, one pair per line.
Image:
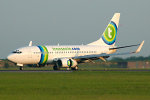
35,55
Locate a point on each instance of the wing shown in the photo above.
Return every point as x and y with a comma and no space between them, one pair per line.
104,55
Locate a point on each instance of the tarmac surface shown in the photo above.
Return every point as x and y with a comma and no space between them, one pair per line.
37,71
64,71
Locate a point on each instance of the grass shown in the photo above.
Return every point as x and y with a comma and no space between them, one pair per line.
81,67
78,85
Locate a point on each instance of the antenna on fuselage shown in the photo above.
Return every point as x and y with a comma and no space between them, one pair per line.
30,44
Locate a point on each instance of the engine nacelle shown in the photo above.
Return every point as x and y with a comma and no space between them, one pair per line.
66,63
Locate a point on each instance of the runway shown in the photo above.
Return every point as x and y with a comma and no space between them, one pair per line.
37,71
65,71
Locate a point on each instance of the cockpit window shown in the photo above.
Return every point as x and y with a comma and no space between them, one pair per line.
17,51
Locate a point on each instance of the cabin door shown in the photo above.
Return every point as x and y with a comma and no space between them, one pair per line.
30,54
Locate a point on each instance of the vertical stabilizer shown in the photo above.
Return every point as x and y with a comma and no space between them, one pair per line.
110,33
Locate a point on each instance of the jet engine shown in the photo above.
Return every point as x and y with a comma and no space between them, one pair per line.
66,63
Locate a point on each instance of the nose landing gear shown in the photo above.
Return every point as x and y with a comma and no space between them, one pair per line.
21,68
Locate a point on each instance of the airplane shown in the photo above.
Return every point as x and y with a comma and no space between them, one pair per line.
69,56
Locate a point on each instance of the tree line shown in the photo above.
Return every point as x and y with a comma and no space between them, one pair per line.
132,58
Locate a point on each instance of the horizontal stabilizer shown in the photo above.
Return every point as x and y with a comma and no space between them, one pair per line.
123,47
139,48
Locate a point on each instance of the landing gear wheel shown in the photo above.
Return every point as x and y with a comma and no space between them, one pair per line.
55,67
74,68
21,68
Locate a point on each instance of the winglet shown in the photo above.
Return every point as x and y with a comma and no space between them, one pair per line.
30,44
139,48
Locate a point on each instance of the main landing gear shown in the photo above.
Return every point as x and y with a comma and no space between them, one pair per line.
55,67
74,68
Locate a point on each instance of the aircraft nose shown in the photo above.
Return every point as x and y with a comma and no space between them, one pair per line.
11,57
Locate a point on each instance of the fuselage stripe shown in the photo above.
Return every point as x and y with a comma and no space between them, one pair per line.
44,54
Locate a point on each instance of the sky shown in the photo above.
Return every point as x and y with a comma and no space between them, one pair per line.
72,22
